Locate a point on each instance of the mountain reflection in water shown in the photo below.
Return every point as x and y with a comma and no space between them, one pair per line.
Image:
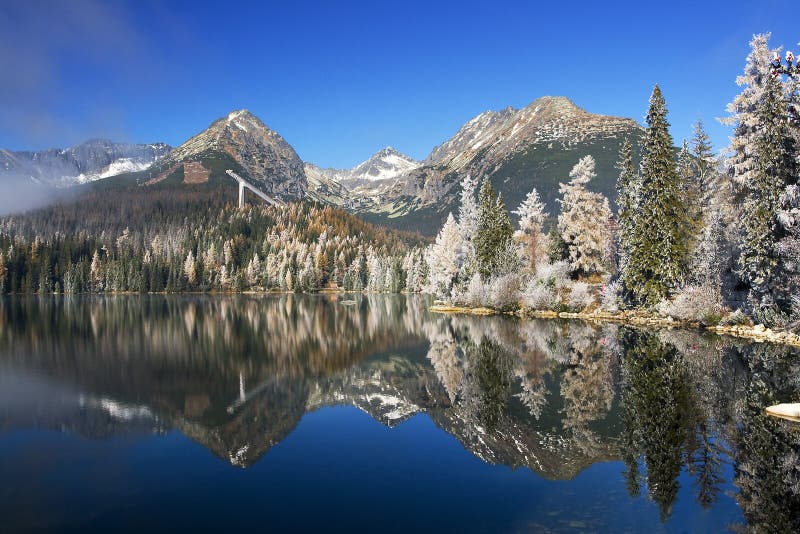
237,375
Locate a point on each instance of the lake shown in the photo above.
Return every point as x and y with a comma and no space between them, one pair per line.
368,413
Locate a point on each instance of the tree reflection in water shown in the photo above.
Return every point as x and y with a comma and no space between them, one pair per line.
658,415
238,373
767,450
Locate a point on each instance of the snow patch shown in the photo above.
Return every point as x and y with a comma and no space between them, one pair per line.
117,410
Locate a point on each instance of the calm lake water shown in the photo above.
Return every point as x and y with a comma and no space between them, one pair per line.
298,413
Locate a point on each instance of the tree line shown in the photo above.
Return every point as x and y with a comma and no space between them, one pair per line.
693,236
196,239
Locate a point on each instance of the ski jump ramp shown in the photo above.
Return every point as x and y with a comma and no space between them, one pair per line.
243,184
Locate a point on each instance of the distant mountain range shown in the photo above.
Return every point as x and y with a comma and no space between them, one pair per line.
93,160
516,149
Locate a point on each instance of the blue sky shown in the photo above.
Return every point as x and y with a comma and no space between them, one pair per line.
340,80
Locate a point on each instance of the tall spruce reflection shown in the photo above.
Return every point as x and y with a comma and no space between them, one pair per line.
237,375
658,415
767,450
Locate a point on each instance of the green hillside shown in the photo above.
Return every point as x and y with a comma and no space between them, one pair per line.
542,166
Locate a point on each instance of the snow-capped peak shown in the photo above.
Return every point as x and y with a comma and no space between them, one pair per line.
383,165
235,114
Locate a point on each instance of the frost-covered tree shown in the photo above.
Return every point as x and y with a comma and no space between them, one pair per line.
658,240
468,223
444,258
254,270
704,167
690,191
708,255
96,270
190,269
531,234
3,272
583,220
743,115
494,231
416,270
773,169
628,188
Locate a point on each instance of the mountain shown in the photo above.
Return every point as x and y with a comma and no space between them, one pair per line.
361,183
384,165
89,161
325,185
516,149
242,142
535,146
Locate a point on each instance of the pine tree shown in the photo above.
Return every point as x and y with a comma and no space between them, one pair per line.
690,189
658,245
556,247
494,231
704,167
707,256
3,273
583,220
628,193
743,115
773,168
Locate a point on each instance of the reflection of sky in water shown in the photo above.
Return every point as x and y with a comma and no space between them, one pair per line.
144,411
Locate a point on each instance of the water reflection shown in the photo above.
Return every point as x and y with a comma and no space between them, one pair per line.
237,375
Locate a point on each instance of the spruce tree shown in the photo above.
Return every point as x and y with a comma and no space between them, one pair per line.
707,257
704,165
773,168
658,245
494,231
743,115
627,195
3,272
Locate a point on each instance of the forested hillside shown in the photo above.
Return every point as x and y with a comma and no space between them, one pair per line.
194,238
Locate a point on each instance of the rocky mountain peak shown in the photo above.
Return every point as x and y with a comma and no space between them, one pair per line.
268,160
242,120
385,165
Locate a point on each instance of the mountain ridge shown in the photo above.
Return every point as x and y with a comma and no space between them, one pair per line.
89,161
515,149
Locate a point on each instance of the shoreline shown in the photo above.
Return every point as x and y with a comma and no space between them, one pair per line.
756,333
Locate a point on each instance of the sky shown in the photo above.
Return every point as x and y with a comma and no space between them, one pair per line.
341,80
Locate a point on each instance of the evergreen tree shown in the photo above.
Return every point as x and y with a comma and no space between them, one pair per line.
494,231
627,196
691,192
658,246
708,256
556,247
3,273
743,115
773,168
704,167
